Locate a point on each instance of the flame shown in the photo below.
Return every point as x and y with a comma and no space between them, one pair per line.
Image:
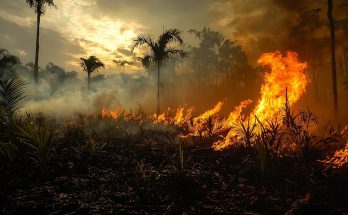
182,116
105,113
286,78
284,82
198,127
287,75
339,159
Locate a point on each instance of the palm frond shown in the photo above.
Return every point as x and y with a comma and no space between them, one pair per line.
171,35
31,3
146,61
40,5
91,64
37,133
171,52
11,94
143,40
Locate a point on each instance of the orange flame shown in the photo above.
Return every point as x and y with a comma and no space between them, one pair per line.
197,129
286,77
105,113
339,159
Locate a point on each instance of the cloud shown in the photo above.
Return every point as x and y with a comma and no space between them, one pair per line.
20,40
106,28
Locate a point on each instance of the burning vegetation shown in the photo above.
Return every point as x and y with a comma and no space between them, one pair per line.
212,132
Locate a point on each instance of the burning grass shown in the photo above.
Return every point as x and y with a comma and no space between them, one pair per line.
270,160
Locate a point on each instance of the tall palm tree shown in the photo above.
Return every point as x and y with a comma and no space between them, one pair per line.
90,65
333,55
39,6
160,50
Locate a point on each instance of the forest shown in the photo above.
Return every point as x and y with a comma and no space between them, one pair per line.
174,119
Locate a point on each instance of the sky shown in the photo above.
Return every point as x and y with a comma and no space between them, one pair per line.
106,28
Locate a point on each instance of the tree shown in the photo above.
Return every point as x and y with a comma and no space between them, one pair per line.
90,65
205,57
7,60
333,54
304,38
39,6
160,50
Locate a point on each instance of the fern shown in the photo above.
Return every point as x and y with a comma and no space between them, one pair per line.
11,94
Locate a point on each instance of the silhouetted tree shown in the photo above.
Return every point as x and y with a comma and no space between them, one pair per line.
7,61
39,6
205,56
311,45
216,56
90,65
333,54
160,50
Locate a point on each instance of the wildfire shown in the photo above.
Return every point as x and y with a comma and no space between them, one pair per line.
198,126
284,82
105,113
339,159
286,77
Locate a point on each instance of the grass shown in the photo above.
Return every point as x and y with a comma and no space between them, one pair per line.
132,164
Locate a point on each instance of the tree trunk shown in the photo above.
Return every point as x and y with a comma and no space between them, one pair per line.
333,56
36,69
88,80
158,89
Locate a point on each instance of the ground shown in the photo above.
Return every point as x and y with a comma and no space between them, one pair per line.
138,176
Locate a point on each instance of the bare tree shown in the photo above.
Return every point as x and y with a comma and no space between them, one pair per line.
333,55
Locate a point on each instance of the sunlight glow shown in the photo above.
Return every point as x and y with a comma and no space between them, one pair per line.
100,36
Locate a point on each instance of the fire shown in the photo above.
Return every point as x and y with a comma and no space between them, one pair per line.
200,122
105,113
182,116
284,82
287,75
285,78
339,159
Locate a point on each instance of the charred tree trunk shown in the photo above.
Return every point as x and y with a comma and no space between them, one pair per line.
88,80
333,55
158,88
36,69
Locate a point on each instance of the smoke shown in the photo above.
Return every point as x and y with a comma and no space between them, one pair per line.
62,96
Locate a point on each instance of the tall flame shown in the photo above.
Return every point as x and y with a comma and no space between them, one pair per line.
284,82
287,75
285,78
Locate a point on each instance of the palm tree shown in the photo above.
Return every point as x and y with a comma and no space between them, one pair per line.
160,51
39,6
333,55
90,65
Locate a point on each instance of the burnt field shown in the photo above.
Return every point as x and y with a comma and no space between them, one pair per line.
174,107
132,166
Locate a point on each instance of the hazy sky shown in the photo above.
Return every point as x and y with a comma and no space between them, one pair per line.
106,28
